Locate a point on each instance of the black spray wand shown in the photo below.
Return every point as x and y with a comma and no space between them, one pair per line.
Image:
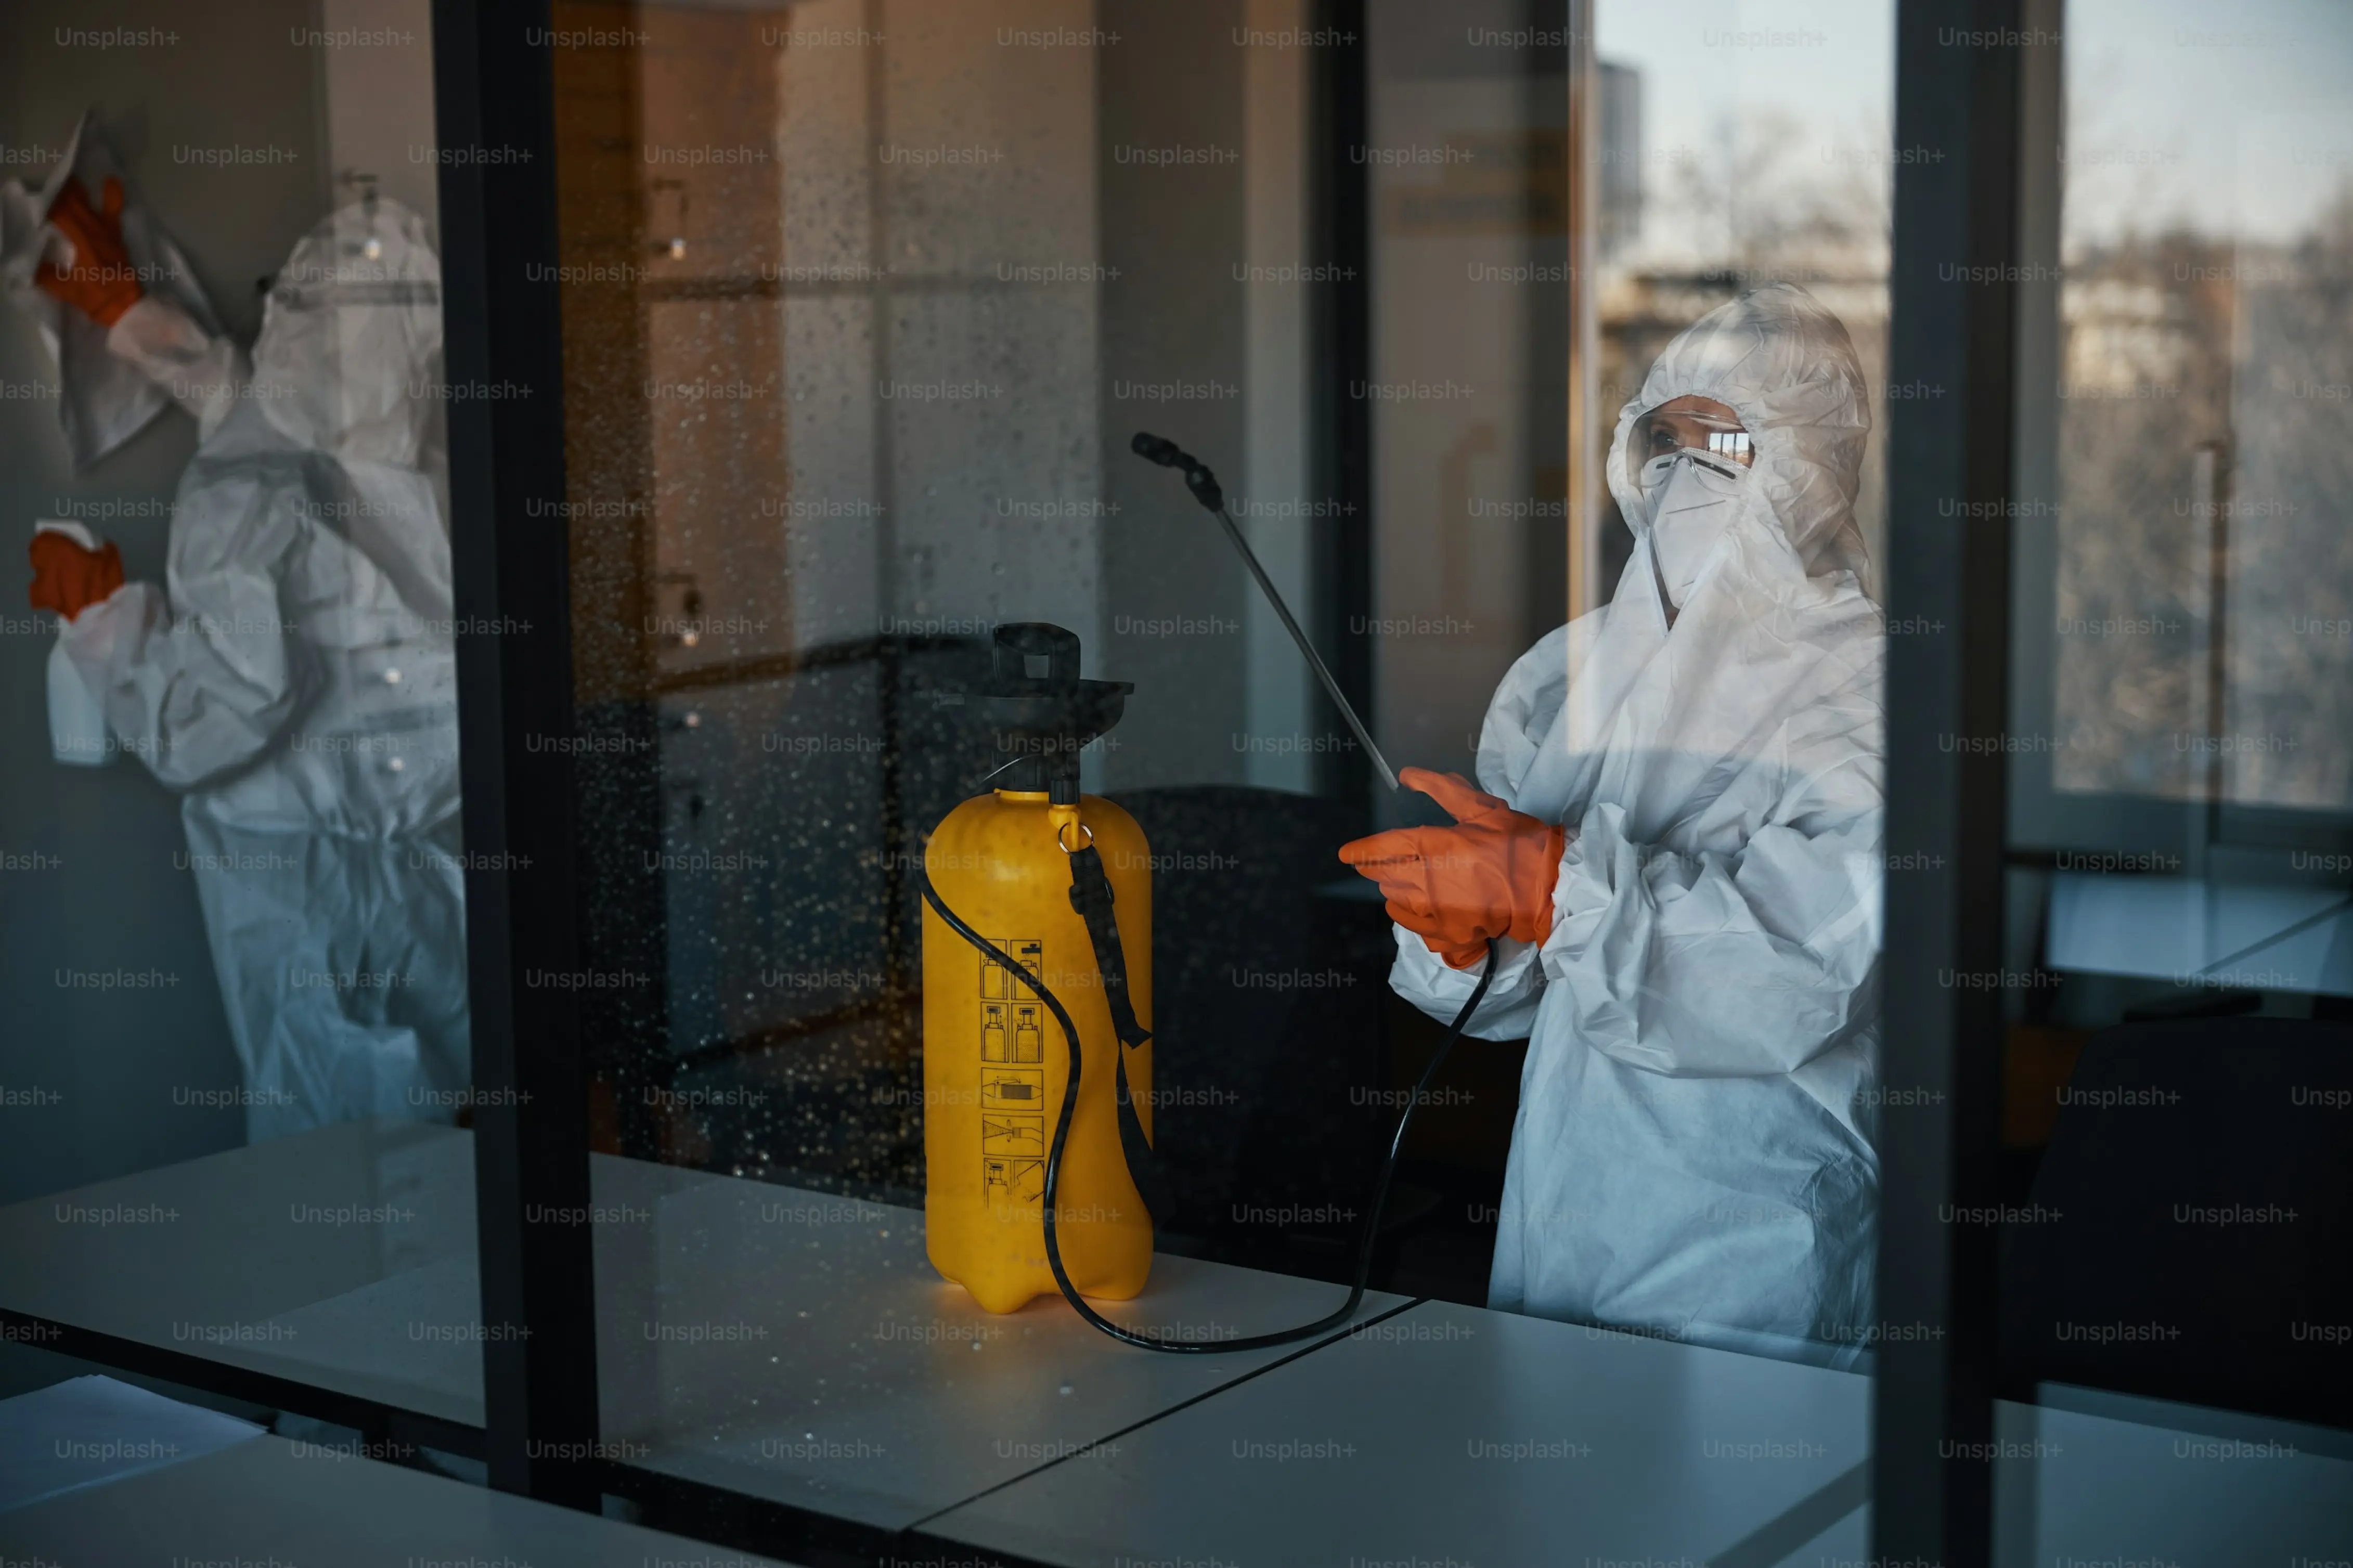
1204,486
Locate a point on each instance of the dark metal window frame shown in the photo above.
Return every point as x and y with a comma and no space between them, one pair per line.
494,92
1959,65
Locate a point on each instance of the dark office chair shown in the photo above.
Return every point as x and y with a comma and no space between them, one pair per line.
2191,1230
1266,1004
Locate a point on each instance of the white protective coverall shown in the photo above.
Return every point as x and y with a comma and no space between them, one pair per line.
1694,1153
296,677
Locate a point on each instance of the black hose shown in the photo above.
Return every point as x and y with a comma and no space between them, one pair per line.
1062,1129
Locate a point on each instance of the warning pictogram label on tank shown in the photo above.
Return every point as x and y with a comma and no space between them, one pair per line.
1012,1089
1012,1075
1009,1135
1008,1181
1012,1032
996,985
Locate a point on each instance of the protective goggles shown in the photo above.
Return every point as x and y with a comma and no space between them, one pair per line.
1668,431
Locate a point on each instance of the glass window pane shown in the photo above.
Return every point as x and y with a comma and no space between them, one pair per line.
2176,946
236,1121
865,306
2201,590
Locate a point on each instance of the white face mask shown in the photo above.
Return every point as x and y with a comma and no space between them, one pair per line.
1692,503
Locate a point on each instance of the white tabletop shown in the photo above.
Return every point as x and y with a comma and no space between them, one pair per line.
270,1501
800,1348
1447,1433
90,1431
715,1296
1450,1433
342,1258
2206,1489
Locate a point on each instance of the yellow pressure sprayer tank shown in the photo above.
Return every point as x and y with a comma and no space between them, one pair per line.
1037,949
1023,866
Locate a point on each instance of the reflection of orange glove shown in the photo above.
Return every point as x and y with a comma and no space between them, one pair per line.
100,283
68,579
1457,887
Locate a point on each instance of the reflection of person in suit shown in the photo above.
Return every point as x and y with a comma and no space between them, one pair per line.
294,676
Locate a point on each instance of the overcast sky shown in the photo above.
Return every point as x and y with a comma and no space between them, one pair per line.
2235,114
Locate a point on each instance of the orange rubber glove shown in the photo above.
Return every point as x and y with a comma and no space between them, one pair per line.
68,579
1458,887
102,283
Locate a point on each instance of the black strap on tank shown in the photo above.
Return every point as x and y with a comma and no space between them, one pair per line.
1090,895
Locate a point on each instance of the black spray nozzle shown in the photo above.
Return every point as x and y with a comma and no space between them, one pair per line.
1169,455
1160,450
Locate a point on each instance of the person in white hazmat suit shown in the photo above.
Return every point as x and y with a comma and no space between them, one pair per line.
1679,857
294,676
